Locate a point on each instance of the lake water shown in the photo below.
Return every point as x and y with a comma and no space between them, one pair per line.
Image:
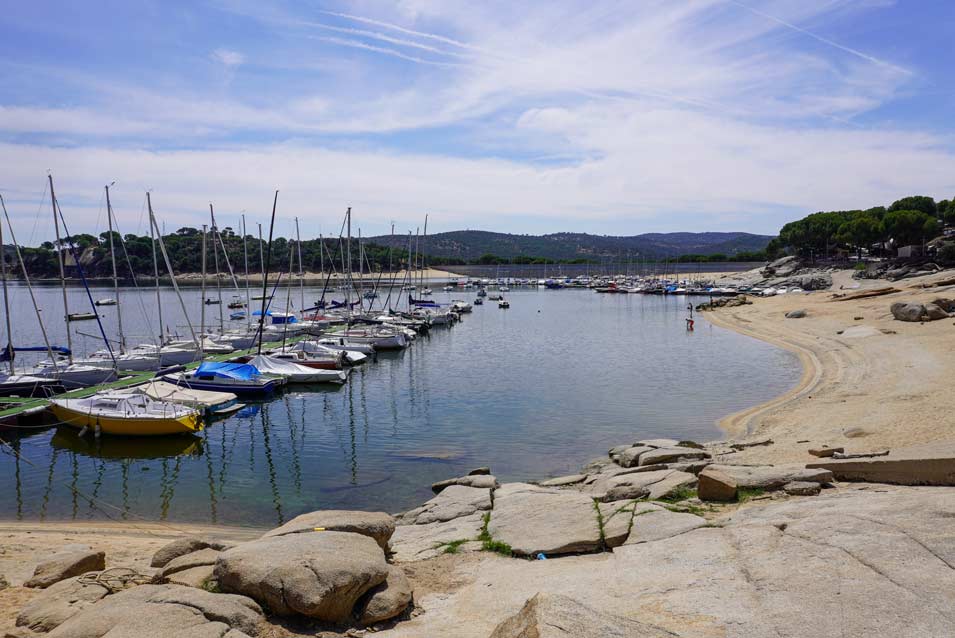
533,391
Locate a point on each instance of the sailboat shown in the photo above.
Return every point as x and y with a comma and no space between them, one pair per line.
296,372
72,374
13,384
126,414
238,378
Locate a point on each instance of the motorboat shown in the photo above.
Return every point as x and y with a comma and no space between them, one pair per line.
212,302
108,301
126,415
238,378
80,316
295,372
482,293
503,303
73,376
460,306
478,302
169,355
313,355
448,289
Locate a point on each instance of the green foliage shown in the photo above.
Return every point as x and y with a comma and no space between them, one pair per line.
488,544
919,203
946,254
910,226
451,547
747,494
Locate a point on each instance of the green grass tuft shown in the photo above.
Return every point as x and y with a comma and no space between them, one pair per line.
451,547
497,547
679,494
747,494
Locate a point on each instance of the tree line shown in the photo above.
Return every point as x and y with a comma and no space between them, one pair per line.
908,221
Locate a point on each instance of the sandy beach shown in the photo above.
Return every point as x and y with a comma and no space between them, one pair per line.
869,382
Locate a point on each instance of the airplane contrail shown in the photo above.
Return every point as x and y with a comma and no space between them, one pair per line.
395,27
841,47
358,44
384,38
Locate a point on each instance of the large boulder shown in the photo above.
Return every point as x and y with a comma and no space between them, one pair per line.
387,600
183,546
933,312
203,558
534,519
376,525
320,575
59,602
557,616
420,542
485,481
64,565
563,481
165,611
931,464
722,482
453,502
782,267
907,311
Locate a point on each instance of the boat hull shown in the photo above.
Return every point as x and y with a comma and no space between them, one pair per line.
134,426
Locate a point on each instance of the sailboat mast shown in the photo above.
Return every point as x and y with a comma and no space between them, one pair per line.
424,257
361,275
59,254
248,294
202,294
215,256
301,270
112,258
152,236
26,280
265,271
6,301
348,250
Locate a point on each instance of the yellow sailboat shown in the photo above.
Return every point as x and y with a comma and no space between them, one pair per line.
126,415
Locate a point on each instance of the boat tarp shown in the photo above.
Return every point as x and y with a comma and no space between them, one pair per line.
293,371
163,391
240,371
5,355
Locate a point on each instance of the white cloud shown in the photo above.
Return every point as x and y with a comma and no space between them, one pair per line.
228,57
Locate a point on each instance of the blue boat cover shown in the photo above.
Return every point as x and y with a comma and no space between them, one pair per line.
241,371
5,355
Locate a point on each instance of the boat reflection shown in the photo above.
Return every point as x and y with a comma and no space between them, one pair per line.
122,447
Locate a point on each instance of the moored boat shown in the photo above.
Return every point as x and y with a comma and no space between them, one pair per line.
238,378
126,415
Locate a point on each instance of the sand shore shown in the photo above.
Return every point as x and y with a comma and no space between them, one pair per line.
869,382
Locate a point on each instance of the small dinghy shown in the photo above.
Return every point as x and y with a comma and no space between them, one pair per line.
126,415
503,303
108,301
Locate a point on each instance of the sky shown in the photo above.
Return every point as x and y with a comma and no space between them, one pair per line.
610,117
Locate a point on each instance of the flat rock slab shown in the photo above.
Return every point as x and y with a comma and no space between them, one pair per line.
376,525
535,519
387,600
562,481
320,575
802,488
420,542
658,443
66,565
453,502
672,455
932,464
660,524
183,546
617,516
165,611
485,481
654,484
58,603
556,616
722,482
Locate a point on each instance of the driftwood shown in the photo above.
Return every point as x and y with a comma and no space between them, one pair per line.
937,284
863,294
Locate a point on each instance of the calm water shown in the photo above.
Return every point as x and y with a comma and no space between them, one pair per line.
533,391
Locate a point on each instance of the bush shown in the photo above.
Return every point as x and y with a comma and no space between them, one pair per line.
946,254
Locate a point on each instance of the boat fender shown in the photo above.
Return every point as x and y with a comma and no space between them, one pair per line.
83,432
541,556
96,429
318,529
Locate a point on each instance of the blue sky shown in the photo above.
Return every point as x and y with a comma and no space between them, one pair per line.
615,117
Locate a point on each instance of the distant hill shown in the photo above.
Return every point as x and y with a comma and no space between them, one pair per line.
471,244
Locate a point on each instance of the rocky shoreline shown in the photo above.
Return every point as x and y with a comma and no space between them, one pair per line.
824,516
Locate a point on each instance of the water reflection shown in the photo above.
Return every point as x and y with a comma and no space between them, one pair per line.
529,393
